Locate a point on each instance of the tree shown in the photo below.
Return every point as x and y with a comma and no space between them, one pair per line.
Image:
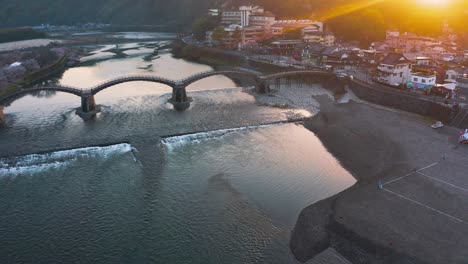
364,26
199,28
219,35
237,36
203,24
295,33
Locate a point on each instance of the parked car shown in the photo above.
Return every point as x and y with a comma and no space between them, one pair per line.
437,124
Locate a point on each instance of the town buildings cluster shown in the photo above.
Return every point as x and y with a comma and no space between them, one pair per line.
404,60
422,63
16,65
254,24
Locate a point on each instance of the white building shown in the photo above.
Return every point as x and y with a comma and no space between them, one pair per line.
451,75
246,15
394,70
266,19
422,80
213,12
462,81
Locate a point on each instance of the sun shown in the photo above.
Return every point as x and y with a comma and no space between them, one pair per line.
434,2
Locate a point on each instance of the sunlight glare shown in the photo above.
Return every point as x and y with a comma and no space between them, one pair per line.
434,2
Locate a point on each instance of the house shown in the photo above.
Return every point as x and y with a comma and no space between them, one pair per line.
452,74
327,55
462,81
422,80
370,56
287,47
380,46
312,51
394,69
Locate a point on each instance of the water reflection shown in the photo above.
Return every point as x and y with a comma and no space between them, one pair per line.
103,66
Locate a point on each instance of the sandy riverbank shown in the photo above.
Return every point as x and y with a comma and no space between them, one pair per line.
418,219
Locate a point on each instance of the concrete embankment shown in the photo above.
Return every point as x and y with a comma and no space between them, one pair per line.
402,101
401,223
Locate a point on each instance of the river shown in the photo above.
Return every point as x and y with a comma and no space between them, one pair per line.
121,189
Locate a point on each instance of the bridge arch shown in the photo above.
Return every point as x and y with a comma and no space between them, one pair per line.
65,89
204,75
135,78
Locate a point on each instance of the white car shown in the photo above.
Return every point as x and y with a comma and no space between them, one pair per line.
437,124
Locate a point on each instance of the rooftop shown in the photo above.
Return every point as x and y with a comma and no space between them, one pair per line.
394,59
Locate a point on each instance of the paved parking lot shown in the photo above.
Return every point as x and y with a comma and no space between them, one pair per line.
441,187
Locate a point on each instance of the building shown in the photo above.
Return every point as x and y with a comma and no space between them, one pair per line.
312,51
287,47
394,69
422,80
253,34
462,81
451,75
327,54
371,56
265,20
213,12
327,38
313,27
281,27
247,15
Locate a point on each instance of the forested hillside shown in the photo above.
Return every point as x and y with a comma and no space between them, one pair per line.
34,12
364,20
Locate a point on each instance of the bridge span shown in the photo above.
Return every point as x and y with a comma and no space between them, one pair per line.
179,98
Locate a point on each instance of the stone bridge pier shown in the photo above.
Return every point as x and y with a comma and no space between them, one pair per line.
262,86
180,100
2,115
88,108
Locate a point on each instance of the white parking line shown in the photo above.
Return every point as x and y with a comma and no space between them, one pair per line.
402,177
427,167
397,179
425,206
448,183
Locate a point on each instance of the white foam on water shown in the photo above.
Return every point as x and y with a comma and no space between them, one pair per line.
177,141
33,169
37,163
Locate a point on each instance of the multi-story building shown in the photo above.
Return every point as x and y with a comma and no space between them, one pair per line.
327,38
394,69
246,15
265,20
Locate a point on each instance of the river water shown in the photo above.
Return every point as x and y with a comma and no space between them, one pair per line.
121,189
